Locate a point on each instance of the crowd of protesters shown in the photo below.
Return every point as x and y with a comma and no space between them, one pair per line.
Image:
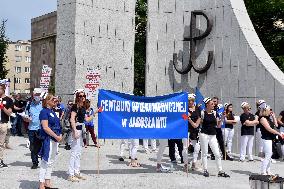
48,122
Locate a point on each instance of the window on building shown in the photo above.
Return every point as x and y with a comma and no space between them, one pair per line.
18,59
27,80
43,48
28,48
17,80
27,69
18,47
18,69
28,59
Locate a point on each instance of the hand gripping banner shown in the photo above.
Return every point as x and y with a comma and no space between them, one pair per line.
127,116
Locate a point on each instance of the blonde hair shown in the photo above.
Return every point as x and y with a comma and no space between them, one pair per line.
264,112
47,98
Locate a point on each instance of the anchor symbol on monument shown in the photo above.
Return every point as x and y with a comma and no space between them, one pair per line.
193,38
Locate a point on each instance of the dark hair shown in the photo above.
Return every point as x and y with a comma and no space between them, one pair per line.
227,110
215,97
3,86
88,104
77,99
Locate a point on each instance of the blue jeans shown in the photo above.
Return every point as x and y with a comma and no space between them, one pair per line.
17,125
35,145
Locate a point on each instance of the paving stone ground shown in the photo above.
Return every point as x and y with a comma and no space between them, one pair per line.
116,174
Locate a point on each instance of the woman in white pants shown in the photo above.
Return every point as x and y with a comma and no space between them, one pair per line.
50,133
134,144
77,119
248,122
268,133
209,121
193,128
228,131
259,104
153,145
160,168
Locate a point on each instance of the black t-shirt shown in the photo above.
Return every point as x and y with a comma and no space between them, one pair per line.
209,124
193,132
230,116
258,125
8,103
19,104
266,135
247,130
81,111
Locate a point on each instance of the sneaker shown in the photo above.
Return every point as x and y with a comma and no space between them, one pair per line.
261,154
174,162
205,173
79,176
73,179
251,160
223,174
212,157
35,166
162,169
3,165
121,159
241,160
67,147
273,161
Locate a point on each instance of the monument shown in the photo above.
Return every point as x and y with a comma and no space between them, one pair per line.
211,45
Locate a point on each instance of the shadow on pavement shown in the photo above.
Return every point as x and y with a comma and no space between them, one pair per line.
27,184
243,172
21,164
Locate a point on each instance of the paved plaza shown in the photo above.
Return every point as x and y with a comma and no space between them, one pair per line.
116,174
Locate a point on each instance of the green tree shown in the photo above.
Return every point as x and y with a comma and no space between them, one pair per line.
140,47
267,17
3,48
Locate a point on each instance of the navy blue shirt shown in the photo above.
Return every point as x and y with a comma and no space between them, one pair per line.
53,121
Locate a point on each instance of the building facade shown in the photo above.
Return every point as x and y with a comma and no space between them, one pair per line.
18,64
43,43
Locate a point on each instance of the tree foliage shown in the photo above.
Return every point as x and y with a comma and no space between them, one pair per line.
267,17
140,47
3,48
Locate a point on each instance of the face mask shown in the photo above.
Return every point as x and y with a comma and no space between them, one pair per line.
37,98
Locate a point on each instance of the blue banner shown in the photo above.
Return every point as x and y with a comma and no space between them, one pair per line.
127,116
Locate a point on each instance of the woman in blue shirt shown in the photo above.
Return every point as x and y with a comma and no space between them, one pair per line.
50,134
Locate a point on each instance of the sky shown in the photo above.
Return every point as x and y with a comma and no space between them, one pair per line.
19,14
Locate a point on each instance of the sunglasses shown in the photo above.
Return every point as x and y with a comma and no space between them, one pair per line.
70,104
81,96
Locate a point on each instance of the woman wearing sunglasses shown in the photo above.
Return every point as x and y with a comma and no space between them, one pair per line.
50,133
77,119
209,121
248,121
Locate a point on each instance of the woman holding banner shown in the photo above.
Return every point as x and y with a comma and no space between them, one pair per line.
77,119
209,120
193,128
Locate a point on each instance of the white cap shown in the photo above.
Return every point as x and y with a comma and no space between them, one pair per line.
263,106
261,102
37,91
191,96
244,104
78,90
226,105
206,100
